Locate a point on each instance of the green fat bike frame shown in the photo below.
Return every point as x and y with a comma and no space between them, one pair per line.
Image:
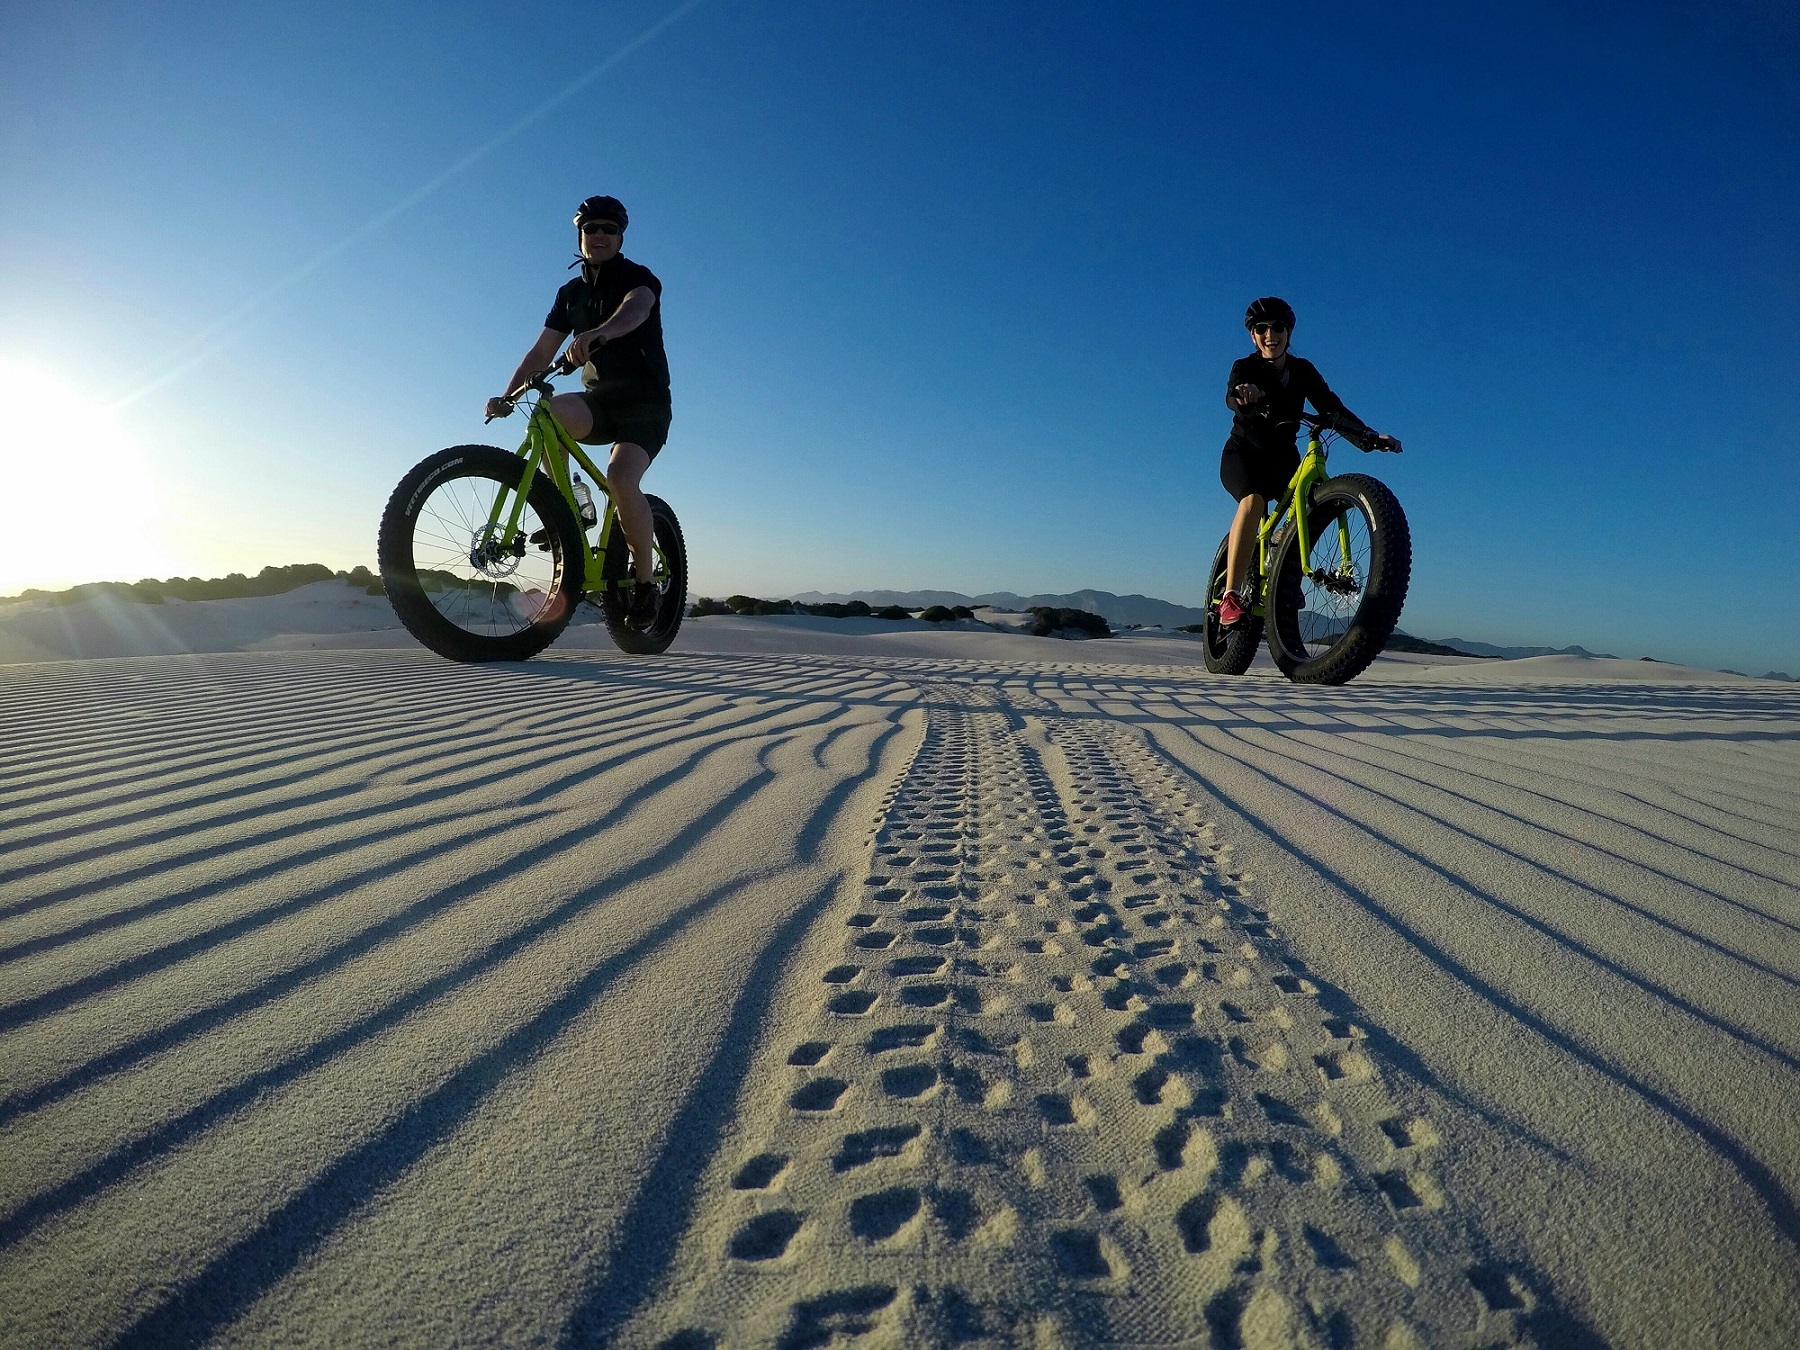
1299,489
543,436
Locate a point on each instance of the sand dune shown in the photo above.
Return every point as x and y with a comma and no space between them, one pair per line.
1036,996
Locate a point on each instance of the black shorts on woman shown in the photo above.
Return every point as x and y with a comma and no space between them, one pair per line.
1261,454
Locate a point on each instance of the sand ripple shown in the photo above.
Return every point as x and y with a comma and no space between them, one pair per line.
358,998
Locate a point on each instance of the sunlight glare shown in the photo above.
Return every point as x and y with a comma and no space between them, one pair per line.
83,503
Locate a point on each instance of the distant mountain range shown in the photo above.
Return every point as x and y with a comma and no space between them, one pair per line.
1142,610
1516,653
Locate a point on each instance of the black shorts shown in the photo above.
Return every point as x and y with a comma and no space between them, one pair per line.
1247,469
643,424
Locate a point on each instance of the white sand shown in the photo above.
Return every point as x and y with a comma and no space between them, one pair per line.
901,987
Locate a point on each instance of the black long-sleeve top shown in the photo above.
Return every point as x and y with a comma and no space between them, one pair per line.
1284,393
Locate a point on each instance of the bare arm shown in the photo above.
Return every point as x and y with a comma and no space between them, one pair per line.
632,311
536,359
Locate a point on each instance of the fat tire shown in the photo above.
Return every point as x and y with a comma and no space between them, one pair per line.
616,598
1384,591
399,572
1228,651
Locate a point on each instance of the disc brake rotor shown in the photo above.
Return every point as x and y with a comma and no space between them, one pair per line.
491,555
1337,583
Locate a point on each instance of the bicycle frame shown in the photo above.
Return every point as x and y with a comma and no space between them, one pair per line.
543,434
1299,489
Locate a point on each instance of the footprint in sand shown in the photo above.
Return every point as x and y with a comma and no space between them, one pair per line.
767,1236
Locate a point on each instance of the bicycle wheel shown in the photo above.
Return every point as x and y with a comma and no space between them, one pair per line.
1333,611
671,582
1228,651
459,585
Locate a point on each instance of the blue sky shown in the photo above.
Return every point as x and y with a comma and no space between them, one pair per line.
951,289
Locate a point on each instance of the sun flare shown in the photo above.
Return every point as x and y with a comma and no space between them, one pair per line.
84,504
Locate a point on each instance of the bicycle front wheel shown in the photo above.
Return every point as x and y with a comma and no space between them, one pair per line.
468,589
1333,610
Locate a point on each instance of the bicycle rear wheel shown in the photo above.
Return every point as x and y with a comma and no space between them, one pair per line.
467,590
1228,651
669,575
1332,611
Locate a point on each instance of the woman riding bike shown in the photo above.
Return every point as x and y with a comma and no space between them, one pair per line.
1266,391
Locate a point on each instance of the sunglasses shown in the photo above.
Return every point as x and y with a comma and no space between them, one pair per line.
1264,329
605,227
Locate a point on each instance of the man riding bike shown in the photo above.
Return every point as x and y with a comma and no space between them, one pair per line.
613,309
1266,391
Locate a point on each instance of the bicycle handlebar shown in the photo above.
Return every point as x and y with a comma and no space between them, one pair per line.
1351,429
563,365
539,380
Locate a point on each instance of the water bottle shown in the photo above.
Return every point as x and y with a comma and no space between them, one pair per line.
584,499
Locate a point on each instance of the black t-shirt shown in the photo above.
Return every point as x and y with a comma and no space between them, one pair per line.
629,369
1284,392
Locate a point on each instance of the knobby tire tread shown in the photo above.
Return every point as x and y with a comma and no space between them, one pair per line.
1390,570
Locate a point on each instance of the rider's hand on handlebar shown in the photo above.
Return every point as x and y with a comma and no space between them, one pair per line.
499,406
1389,444
582,347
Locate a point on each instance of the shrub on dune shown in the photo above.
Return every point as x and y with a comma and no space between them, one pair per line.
150,591
830,609
752,605
706,605
893,612
1048,621
362,576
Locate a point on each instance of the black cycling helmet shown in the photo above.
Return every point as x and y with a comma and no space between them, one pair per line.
1270,309
602,208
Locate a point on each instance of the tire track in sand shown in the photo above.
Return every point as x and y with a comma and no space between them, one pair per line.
1062,1083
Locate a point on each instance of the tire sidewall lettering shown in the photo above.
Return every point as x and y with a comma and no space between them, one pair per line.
428,482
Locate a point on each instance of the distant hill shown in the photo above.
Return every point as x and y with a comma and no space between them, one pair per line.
1147,611
1118,610
1519,653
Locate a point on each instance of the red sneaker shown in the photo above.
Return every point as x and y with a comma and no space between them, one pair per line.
1233,609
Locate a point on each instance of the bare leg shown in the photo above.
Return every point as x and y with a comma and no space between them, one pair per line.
1242,545
576,417
622,474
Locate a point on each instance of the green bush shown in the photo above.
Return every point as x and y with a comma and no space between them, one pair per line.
893,612
750,604
854,609
362,577
1049,620
707,605
961,612
938,614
